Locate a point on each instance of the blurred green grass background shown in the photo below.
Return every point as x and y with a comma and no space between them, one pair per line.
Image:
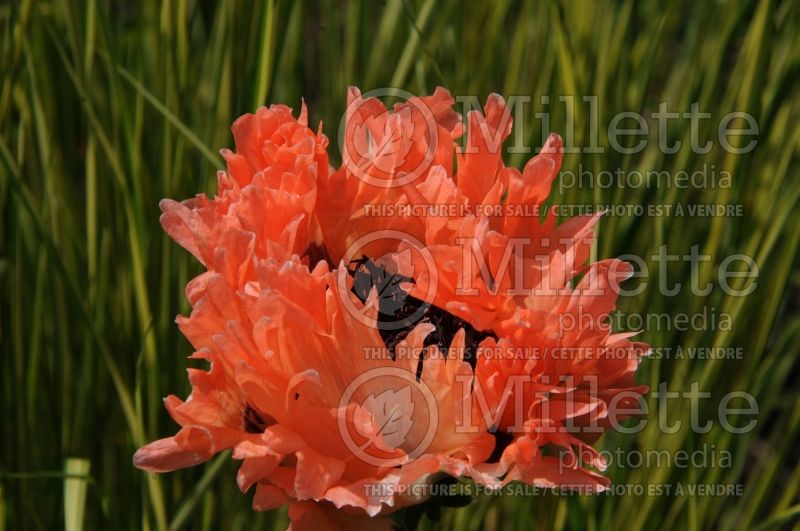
108,106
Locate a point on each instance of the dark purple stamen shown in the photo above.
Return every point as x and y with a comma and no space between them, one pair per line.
399,312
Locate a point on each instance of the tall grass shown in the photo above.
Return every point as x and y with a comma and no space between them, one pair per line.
106,107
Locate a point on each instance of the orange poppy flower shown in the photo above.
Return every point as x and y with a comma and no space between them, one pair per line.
373,329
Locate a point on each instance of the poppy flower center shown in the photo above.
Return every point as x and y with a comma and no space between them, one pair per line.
399,312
